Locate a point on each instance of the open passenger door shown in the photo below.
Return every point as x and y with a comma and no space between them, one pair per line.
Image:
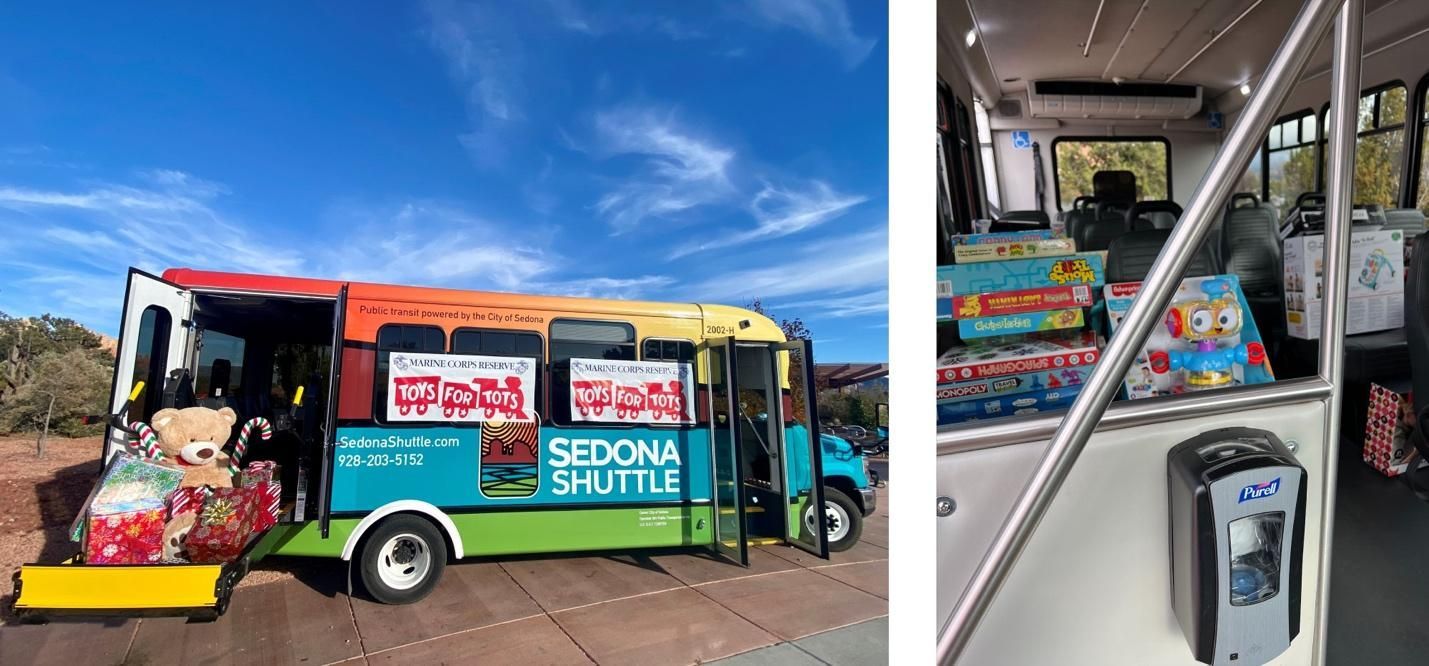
803,460
153,339
329,434
727,457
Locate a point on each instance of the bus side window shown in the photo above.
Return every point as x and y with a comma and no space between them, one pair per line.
150,356
522,344
406,338
678,351
607,340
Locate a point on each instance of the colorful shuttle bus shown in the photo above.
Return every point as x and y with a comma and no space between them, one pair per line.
441,424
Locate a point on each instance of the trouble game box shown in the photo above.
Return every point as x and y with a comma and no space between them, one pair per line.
1376,290
1012,384
1085,268
980,359
1207,338
1024,403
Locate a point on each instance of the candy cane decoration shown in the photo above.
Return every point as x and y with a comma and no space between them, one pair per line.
265,431
148,441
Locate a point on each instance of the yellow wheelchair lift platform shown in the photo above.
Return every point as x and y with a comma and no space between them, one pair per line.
199,591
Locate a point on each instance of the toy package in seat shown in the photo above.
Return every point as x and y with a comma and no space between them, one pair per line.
1207,339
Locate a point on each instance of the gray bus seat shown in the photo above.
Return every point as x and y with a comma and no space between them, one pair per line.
1409,220
1152,215
1250,249
1028,218
1130,255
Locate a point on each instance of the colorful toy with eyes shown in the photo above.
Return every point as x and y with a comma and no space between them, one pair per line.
1204,323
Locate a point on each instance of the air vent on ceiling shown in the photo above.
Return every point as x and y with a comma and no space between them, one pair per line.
1009,108
1101,99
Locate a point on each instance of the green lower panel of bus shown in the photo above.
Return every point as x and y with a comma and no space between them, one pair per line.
536,531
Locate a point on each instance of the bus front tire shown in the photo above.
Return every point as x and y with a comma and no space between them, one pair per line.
843,520
402,559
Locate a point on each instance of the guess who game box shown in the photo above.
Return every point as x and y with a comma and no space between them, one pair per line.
1024,403
1085,268
1207,339
1027,382
982,360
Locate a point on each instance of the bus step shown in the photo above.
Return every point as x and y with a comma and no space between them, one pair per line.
763,541
748,509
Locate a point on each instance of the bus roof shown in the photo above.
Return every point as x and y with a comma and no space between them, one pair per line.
758,327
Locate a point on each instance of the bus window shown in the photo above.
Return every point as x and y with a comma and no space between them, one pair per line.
1252,181
150,352
989,158
1379,145
1076,159
523,344
674,351
1291,150
609,340
1421,194
220,365
405,338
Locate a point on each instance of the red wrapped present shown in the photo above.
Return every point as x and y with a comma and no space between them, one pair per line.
270,495
259,471
187,500
224,524
134,536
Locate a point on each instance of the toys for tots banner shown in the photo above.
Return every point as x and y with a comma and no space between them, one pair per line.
632,391
464,389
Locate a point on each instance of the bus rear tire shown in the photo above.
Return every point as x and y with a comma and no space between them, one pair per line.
402,559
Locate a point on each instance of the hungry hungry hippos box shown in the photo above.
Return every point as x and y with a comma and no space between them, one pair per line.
1084,268
980,359
1019,301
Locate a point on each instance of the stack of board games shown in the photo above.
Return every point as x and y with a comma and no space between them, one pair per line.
1018,303
1207,338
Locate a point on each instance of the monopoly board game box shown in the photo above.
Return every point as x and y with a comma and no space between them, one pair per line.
1084,268
1207,339
1028,249
980,359
1376,283
1032,322
1002,237
1019,301
1023,403
1012,384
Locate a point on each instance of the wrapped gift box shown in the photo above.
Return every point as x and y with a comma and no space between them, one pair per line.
257,472
132,536
223,525
264,475
186,500
127,479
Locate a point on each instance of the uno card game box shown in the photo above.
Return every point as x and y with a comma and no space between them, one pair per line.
1012,384
1023,403
1207,339
980,359
1032,322
1029,249
1084,268
1002,237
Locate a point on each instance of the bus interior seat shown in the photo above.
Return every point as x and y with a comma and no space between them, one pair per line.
1114,185
1409,220
1022,220
219,377
1416,326
1084,209
1129,256
1152,215
1250,248
1110,222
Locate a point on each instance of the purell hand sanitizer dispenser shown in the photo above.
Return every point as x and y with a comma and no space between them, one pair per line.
1237,499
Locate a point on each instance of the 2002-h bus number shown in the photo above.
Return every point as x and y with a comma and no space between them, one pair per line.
380,460
719,330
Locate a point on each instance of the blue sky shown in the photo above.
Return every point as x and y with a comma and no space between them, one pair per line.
667,151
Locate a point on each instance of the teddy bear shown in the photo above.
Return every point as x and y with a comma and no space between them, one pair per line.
176,534
192,439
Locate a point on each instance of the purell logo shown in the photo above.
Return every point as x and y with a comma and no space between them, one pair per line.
1259,490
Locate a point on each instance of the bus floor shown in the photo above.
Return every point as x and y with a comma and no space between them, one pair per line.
663,607
1379,591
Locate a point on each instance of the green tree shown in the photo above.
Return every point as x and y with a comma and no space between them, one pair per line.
794,329
1078,162
75,380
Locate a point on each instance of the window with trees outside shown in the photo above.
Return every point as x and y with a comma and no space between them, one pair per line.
1075,160
1421,195
1290,159
1379,146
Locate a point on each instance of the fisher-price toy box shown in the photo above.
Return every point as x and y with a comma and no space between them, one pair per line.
980,359
1027,382
1024,403
1083,268
1376,283
1207,338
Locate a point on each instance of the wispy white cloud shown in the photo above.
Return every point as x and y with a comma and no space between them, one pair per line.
681,170
483,57
838,265
606,287
602,20
824,20
780,212
852,305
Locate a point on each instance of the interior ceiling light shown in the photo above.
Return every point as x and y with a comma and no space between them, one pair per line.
971,38
1245,89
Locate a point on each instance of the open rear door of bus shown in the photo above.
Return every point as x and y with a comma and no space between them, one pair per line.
339,319
727,458
803,461
153,340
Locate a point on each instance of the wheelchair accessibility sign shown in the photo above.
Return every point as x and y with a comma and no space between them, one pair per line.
1021,139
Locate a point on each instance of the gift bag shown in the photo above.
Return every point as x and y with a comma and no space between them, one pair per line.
128,533
223,525
1388,426
126,479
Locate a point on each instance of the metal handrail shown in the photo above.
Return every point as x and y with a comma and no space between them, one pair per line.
1284,69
